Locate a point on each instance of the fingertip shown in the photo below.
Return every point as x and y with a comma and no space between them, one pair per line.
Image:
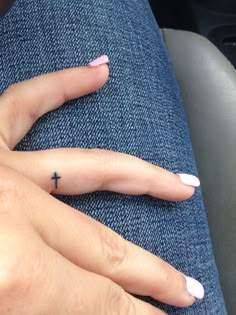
100,64
188,302
174,189
184,187
187,193
104,72
100,74
192,290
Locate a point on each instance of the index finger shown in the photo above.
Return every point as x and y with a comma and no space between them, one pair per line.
24,102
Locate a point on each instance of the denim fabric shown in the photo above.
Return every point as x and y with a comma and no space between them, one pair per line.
139,111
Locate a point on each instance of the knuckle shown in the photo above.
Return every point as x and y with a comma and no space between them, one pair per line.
12,100
118,302
15,276
8,186
13,97
10,189
8,275
105,160
114,249
10,95
102,156
166,281
21,274
10,90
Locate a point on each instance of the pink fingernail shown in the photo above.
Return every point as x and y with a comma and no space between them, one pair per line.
189,180
99,61
195,288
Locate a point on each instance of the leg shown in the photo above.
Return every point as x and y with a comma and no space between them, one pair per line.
138,112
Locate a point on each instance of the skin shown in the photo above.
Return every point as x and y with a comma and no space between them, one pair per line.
44,268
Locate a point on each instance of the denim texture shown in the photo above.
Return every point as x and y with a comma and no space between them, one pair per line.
139,111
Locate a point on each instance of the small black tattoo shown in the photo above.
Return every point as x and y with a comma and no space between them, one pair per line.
56,177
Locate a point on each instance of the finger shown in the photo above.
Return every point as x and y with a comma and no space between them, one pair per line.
79,171
101,250
86,293
106,253
23,103
35,279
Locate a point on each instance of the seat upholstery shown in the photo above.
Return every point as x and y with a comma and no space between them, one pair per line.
207,82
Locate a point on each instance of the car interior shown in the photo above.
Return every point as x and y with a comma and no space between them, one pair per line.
200,36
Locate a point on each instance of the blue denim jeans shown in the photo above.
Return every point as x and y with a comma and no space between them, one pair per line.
139,111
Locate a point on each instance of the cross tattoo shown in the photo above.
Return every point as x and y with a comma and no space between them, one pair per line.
56,178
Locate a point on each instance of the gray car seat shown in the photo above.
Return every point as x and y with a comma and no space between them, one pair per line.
207,82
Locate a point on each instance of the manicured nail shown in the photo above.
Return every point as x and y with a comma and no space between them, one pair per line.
195,289
189,180
99,61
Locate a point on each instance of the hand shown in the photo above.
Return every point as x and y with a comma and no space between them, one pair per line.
55,260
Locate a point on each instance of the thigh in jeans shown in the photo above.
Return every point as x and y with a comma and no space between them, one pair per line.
139,112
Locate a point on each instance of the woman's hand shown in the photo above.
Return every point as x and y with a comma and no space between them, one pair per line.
55,260
76,171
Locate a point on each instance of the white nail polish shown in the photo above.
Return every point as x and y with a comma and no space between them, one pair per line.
194,288
189,180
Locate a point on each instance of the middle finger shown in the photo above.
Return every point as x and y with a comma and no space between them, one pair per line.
79,171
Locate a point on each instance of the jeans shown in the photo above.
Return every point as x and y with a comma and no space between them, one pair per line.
139,112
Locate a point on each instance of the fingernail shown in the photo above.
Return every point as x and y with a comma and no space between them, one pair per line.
99,61
195,288
189,180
